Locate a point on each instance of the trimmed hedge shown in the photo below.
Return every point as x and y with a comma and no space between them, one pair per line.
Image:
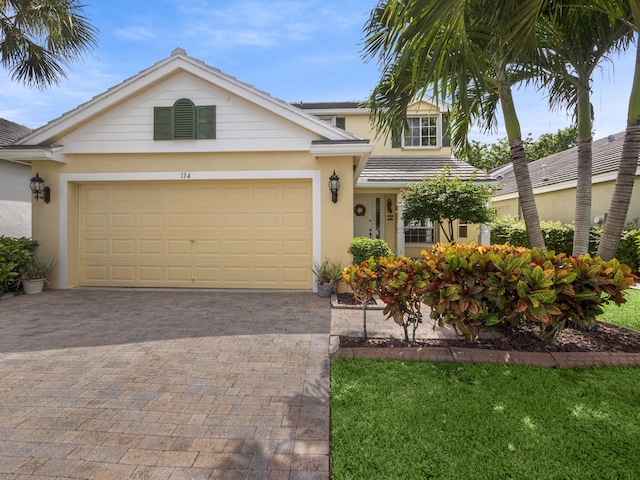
558,238
364,248
474,288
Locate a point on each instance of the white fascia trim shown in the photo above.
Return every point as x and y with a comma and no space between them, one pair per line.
67,178
22,155
341,149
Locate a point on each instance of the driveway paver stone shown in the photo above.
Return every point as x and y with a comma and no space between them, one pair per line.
134,383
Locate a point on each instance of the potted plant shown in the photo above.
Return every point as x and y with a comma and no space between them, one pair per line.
328,274
33,274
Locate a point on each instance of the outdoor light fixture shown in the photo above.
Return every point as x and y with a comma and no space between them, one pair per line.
39,190
334,186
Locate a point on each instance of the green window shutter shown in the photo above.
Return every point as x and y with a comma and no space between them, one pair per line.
206,121
341,122
162,124
446,134
184,116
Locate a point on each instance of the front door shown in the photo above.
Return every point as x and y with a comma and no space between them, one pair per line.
368,217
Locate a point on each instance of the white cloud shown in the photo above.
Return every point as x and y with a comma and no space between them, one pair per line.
136,33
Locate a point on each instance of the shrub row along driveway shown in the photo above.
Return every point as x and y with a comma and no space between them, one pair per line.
164,384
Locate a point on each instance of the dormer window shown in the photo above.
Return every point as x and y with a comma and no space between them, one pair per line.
425,131
422,132
184,120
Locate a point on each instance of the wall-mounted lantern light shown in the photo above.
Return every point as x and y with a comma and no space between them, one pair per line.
334,186
39,190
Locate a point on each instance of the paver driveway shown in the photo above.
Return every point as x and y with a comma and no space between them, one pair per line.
164,384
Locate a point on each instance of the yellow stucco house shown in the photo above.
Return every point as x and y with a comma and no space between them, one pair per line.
553,179
183,176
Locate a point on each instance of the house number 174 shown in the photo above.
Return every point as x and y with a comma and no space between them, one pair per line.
185,175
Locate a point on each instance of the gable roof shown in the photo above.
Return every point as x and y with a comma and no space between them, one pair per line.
11,131
563,166
179,61
398,171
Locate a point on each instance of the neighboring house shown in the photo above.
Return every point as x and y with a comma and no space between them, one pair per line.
15,196
423,152
183,176
554,184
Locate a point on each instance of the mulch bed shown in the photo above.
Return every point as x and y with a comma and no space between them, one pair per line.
605,337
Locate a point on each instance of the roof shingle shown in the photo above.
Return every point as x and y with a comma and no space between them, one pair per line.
563,166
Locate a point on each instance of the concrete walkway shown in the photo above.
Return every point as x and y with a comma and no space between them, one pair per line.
132,384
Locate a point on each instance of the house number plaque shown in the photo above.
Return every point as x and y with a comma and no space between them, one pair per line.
184,175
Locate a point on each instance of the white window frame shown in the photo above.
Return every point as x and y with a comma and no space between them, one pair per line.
422,229
437,126
330,119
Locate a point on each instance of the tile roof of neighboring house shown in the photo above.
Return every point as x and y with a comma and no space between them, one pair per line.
326,105
10,132
415,169
563,166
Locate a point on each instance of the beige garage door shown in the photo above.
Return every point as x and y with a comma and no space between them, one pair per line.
207,234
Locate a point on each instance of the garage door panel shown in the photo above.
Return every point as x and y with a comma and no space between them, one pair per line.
179,274
178,247
96,220
96,273
123,220
150,220
208,220
123,247
214,234
150,247
123,273
179,220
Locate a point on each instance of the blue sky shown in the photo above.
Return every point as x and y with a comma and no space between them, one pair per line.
294,50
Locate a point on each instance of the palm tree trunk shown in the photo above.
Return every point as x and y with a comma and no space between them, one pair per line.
617,215
582,222
621,198
521,169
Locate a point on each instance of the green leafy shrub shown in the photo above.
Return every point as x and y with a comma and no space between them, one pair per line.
15,254
363,248
559,238
474,288
627,251
402,282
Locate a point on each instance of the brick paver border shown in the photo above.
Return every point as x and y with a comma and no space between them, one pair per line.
501,357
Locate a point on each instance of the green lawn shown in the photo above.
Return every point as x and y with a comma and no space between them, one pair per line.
627,314
419,420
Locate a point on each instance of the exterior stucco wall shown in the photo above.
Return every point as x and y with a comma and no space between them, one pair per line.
360,125
333,230
15,199
560,205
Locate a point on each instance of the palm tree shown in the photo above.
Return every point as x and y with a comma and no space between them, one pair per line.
38,38
628,11
574,41
458,50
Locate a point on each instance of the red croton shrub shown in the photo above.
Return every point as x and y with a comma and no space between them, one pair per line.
475,287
